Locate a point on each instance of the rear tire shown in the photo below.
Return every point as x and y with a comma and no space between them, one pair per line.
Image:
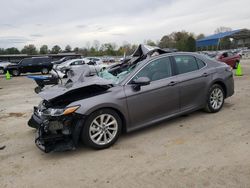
236,64
38,89
215,99
101,129
45,71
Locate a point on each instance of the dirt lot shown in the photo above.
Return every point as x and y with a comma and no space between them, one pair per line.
199,150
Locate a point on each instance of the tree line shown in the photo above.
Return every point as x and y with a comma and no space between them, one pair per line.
181,40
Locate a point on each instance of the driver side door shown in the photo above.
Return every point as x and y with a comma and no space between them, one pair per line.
26,66
156,101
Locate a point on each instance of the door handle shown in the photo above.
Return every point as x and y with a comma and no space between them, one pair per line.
205,74
172,83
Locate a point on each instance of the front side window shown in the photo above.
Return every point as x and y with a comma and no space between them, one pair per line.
156,70
26,62
185,63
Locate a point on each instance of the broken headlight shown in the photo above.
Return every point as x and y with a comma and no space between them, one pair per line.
60,111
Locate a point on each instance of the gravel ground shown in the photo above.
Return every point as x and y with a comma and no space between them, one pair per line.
198,150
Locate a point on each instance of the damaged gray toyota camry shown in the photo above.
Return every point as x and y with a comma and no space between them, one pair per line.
154,85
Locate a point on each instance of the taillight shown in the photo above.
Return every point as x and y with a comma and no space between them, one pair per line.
229,69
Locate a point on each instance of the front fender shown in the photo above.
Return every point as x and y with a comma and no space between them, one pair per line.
115,100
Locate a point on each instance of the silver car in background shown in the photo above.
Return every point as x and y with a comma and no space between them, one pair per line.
152,87
3,65
63,69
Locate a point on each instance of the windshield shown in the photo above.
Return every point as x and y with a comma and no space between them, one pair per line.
62,59
118,73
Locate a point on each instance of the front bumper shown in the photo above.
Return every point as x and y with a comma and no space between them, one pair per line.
50,142
56,133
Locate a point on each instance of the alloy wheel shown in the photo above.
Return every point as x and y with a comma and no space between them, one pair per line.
216,98
15,72
103,129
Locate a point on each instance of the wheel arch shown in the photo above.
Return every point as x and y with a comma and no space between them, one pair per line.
119,112
222,84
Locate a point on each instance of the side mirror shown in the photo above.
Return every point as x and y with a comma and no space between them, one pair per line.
142,81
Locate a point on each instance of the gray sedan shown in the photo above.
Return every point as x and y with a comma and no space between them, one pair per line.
129,97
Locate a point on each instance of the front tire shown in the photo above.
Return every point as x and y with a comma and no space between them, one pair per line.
215,99
15,72
102,129
1,71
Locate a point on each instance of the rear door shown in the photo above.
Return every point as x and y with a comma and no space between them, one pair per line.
158,99
193,80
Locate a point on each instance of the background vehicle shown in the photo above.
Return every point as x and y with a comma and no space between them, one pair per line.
64,59
244,53
3,65
141,92
95,60
31,65
108,60
229,58
63,69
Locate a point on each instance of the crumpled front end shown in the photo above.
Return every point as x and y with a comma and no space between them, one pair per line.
56,133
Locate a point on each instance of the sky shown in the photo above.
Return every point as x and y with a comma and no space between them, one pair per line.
80,22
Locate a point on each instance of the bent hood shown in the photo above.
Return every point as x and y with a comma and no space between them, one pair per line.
71,88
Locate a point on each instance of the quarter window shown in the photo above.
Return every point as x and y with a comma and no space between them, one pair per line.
200,63
156,70
185,63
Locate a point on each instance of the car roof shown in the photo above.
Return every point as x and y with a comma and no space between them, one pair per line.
71,60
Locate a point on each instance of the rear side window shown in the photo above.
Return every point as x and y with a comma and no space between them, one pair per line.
40,60
36,60
185,63
200,63
46,60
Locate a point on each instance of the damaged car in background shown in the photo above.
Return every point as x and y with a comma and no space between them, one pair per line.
152,86
62,70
